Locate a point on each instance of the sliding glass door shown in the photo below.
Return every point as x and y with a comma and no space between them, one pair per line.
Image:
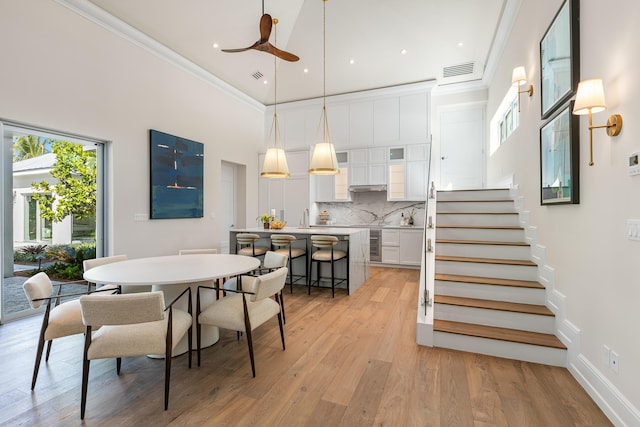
52,208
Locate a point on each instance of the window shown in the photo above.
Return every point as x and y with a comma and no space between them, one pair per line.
505,121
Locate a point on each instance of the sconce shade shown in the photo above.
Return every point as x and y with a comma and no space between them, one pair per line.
323,160
275,164
590,97
518,76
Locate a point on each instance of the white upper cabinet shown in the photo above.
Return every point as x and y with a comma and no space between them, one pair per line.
414,118
338,119
294,129
361,124
386,121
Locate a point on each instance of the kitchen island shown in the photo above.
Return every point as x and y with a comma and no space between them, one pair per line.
356,240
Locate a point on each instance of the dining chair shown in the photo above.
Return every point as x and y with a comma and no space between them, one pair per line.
60,319
132,325
326,253
88,264
245,310
283,244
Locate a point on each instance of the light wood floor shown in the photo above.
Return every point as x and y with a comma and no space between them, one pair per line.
350,361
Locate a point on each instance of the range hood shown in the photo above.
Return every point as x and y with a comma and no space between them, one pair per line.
363,188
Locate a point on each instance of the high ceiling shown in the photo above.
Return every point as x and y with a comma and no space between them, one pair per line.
437,35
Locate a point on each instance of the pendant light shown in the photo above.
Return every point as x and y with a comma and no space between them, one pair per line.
323,159
275,160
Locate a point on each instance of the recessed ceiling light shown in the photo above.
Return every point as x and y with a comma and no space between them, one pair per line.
403,51
216,45
266,82
460,44
352,61
306,70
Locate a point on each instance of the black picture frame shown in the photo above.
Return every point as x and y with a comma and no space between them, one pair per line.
176,181
560,158
560,58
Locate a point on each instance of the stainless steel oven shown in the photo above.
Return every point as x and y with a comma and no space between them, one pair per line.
375,242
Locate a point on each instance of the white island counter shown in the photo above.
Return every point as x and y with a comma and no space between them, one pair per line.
356,240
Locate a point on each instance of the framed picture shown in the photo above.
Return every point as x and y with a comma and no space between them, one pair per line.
560,158
560,58
177,168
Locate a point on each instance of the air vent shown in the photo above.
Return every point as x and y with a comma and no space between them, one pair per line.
458,70
257,75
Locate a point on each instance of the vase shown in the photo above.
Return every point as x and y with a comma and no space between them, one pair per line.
266,225
410,221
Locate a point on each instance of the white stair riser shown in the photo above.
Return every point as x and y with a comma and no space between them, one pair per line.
486,234
497,318
506,206
478,219
490,292
499,194
500,271
506,349
483,251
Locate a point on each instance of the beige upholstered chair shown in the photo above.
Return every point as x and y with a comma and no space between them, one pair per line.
284,246
327,254
246,245
197,251
132,325
88,264
60,319
246,308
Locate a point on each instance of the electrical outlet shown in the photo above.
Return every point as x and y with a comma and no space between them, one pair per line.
614,362
605,355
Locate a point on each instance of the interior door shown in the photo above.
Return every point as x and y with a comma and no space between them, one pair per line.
462,147
229,212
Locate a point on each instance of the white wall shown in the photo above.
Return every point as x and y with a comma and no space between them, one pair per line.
63,72
594,264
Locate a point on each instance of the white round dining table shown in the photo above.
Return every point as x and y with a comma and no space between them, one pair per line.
172,274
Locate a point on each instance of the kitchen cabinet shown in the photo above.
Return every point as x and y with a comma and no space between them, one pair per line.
402,246
367,166
289,197
334,188
408,170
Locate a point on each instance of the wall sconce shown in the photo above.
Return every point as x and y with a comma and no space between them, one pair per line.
519,77
589,100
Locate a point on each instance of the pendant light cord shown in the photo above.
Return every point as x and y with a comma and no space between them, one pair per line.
275,83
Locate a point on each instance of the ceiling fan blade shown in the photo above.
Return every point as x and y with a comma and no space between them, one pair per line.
265,27
287,56
243,49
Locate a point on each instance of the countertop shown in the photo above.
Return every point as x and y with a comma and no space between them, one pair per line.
301,230
401,227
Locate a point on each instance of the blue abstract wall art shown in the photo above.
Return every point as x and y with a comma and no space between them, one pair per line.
177,169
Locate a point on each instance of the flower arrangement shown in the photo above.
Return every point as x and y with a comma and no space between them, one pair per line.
265,218
412,213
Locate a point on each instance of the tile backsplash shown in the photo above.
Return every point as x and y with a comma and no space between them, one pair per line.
369,208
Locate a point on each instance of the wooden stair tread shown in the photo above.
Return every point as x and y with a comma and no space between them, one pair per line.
488,281
488,227
481,242
475,213
476,201
494,305
502,334
522,262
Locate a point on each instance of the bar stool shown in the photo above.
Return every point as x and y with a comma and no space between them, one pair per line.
326,253
246,245
283,244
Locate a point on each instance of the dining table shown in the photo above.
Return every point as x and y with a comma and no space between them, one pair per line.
173,274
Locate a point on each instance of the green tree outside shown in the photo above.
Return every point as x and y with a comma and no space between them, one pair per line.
75,190
29,146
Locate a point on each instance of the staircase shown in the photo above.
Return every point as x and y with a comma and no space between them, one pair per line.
487,299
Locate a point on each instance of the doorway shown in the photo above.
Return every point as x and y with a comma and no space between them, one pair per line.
462,147
36,232
232,196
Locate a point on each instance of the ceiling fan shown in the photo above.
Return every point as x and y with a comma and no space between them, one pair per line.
263,44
